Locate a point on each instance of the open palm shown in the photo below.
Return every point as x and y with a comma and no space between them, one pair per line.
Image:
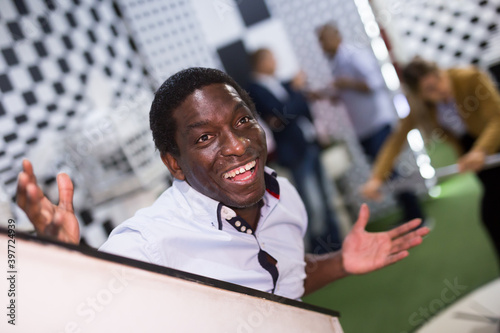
55,221
364,252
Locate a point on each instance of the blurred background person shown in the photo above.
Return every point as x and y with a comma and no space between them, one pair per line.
359,84
460,106
284,108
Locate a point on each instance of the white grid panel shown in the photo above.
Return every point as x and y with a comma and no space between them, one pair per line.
168,36
446,31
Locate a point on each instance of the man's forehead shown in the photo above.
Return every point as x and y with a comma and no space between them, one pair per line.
207,100
214,91
431,78
328,31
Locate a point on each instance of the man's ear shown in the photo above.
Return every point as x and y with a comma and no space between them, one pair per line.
173,166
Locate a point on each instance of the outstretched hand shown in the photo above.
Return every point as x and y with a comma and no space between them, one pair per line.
364,252
53,221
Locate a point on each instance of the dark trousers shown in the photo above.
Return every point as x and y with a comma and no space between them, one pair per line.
312,184
407,200
490,210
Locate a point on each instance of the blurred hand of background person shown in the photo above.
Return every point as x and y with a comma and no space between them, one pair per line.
350,83
313,95
53,221
472,161
371,189
299,81
328,93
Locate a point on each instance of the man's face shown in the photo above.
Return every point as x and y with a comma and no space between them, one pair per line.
268,63
222,147
329,40
434,88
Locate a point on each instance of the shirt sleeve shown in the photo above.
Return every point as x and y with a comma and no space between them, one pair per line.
367,69
382,167
489,107
130,243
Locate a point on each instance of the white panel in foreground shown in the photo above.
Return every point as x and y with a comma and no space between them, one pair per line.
63,290
478,312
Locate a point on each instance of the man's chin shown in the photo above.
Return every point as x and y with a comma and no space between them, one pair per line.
245,203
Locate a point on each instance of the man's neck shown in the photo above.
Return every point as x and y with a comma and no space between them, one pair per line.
263,74
250,214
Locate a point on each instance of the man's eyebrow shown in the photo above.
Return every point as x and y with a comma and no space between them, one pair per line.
201,123
241,104
197,124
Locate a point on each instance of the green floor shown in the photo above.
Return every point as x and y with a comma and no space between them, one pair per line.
401,297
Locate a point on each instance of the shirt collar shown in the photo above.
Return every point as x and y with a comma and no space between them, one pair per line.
260,77
214,212
274,86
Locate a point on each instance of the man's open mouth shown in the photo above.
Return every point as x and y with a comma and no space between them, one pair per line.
241,173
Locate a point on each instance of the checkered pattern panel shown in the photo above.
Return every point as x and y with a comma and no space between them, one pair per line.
168,36
448,32
47,50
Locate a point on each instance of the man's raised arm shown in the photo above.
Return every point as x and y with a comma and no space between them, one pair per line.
54,221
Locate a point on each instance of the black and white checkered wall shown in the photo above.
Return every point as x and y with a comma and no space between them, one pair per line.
448,32
168,36
48,50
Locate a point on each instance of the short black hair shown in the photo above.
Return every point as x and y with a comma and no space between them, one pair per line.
173,92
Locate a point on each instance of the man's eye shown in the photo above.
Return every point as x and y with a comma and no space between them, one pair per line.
244,120
203,138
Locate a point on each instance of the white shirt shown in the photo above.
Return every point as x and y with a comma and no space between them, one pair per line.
272,84
370,111
189,231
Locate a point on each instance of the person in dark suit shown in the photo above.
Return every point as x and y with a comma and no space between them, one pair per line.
285,109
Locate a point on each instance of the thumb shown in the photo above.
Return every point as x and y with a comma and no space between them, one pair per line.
65,186
363,217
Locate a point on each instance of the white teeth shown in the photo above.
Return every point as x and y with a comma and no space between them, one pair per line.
237,171
249,165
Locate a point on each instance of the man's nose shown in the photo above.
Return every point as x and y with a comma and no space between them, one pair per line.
234,144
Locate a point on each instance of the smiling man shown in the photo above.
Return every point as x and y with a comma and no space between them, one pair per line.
226,216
